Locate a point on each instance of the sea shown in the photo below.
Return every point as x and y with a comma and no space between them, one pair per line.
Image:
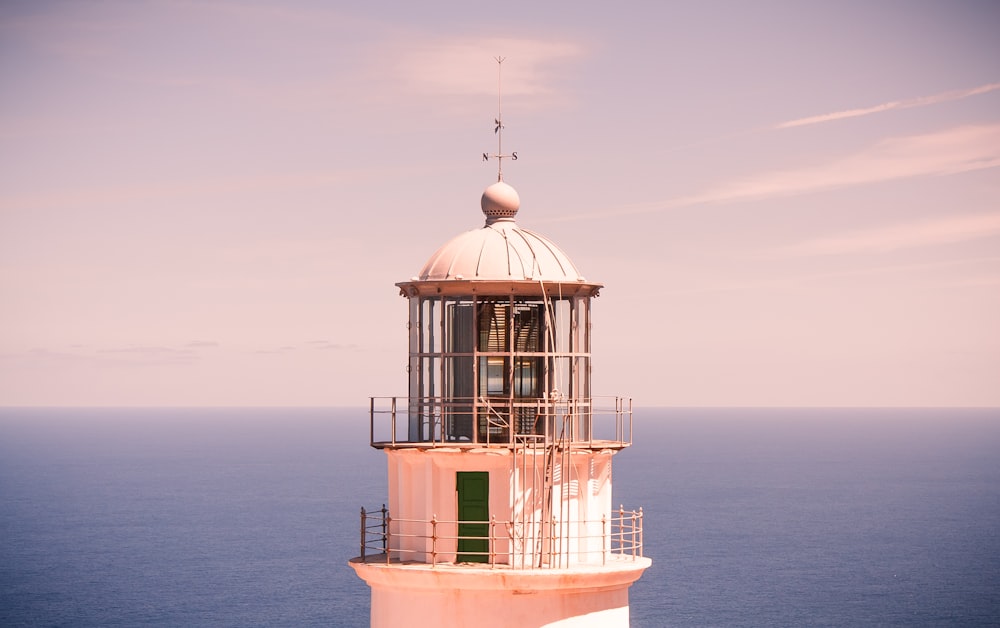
248,516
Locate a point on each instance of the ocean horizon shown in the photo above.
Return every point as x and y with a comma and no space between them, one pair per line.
248,516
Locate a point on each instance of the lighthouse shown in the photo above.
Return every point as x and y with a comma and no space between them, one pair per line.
499,509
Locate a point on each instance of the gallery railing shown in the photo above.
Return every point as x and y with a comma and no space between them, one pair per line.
491,421
437,541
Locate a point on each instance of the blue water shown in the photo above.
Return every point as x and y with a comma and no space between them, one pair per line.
239,517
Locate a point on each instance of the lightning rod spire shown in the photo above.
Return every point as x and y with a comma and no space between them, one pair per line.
498,125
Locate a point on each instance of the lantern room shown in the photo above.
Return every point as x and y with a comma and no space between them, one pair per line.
499,338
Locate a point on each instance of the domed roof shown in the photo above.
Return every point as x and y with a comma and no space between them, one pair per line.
500,250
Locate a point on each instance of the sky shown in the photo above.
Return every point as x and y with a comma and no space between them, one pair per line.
789,203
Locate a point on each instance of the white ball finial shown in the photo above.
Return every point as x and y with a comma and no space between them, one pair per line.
499,202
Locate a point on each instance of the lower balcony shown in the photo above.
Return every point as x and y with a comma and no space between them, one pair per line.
520,545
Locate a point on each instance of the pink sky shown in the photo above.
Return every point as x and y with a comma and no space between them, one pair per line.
208,203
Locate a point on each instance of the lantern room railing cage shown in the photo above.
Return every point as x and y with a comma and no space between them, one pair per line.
434,542
595,422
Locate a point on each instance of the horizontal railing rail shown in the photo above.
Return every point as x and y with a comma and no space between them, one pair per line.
486,421
383,538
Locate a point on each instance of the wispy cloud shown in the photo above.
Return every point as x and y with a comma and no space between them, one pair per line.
326,345
931,232
149,356
811,278
114,45
189,353
114,357
202,344
952,151
986,280
920,101
459,66
276,350
128,193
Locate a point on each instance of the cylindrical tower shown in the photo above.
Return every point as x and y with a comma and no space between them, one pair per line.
499,510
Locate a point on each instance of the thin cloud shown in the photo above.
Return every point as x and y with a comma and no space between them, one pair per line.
993,280
326,345
118,356
462,66
149,356
131,193
952,151
276,350
932,232
109,43
812,278
920,101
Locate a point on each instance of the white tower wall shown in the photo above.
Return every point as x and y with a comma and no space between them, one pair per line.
424,510
420,596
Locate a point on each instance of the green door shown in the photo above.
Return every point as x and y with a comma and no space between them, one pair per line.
474,506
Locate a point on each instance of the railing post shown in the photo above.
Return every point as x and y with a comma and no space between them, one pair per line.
619,430
553,548
641,540
387,533
492,541
590,419
371,421
621,422
385,513
363,534
629,420
393,421
437,427
434,539
604,539
621,527
634,534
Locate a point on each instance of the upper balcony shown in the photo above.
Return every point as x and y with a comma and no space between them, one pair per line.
464,422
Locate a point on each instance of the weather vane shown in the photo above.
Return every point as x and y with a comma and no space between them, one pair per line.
498,129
